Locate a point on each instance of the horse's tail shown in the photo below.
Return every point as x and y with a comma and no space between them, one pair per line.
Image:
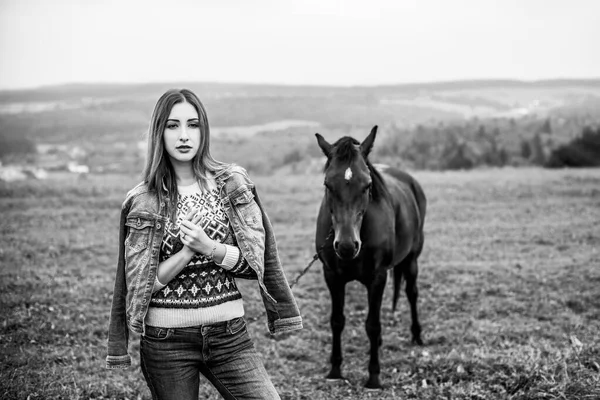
421,200
397,284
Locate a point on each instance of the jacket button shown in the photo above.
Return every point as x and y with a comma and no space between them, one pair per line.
139,222
144,301
158,226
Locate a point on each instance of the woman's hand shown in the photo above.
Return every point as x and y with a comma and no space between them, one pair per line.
193,236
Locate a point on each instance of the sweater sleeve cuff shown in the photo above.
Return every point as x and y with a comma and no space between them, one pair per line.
232,255
157,285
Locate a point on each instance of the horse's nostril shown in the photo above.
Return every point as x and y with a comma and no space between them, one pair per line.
356,244
336,245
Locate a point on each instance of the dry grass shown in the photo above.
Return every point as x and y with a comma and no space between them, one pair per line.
509,303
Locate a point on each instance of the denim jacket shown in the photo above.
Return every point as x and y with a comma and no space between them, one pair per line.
142,226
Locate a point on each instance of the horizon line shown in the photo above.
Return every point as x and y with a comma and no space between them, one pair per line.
450,82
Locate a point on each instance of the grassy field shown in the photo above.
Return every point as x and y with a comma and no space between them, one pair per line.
509,292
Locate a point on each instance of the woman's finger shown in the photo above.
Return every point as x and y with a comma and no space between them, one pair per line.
186,240
186,231
195,231
190,214
188,224
197,218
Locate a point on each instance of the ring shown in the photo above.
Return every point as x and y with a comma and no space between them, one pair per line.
183,235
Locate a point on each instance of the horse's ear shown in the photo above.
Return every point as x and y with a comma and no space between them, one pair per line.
323,144
367,144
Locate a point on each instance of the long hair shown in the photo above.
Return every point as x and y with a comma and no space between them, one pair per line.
159,174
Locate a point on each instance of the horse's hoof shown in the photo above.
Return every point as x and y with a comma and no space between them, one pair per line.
336,381
335,377
373,384
332,381
418,341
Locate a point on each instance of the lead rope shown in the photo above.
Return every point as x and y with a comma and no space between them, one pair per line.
315,258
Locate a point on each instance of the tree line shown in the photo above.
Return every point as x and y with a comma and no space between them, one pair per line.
548,142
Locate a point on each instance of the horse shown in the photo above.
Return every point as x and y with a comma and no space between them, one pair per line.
368,223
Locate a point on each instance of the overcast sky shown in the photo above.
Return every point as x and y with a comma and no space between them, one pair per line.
296,42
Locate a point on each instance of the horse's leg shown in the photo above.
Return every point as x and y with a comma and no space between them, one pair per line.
337,290
373,327
397,275
412,293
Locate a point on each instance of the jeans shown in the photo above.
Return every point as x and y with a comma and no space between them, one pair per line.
173,358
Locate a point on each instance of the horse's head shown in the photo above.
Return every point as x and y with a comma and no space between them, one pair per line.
347,189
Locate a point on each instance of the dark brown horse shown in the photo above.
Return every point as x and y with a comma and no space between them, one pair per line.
369,222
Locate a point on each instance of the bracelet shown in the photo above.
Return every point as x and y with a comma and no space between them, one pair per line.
211,256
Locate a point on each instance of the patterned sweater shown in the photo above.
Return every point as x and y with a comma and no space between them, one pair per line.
203,292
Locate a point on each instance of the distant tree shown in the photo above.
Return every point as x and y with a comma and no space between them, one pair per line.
390,141
456,154
419,150
481,133
538,156
292,157
503,156
546,126
583,151
525,149
15,145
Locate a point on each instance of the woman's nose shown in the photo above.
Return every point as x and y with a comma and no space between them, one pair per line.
184,136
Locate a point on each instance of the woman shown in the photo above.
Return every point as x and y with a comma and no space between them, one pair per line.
190,228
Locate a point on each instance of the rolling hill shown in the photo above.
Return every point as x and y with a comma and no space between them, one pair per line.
108,121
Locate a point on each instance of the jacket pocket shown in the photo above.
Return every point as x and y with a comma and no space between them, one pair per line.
138,232
245,207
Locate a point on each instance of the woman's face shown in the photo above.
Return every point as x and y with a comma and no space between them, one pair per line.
182,133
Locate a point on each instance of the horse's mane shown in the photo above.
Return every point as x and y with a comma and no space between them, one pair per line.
346,149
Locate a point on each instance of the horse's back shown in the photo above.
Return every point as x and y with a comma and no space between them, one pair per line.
398,179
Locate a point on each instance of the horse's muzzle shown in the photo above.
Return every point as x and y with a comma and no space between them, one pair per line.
346,250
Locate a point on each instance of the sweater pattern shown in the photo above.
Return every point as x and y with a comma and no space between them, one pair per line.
202,283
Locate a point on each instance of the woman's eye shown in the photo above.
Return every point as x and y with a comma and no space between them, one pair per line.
193,126
171,126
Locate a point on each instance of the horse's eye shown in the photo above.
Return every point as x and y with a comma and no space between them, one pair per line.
367,188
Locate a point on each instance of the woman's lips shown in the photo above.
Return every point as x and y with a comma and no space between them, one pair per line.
184,149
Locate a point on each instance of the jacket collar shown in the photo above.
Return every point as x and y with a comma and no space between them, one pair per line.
223,174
